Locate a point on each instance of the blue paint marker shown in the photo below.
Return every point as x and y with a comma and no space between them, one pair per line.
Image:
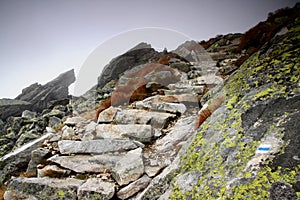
263,148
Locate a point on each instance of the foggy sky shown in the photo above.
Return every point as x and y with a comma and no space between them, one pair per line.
41,39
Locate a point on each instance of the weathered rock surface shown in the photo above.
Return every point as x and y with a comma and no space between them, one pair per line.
12,107
42,188
87,163
40,95
95,188
134,187
129,168
11,163
95,146
161,106
155,119
142,133
137,56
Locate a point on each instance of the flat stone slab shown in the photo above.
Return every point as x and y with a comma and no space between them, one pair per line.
87,163
141,133
133,116
95,146
129,168
161,106
42,188
134,187
95,188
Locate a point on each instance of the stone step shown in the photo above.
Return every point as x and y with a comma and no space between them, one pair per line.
140,132
95,146
151,104
134,116
53,188
186,99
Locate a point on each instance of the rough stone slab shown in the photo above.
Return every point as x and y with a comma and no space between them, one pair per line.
53,171
95,146
87,163
155,119
166,148
186,90
36,158
129,168
95,188
134,187
142,133
108,115
161,106
43,188
72,121
15,160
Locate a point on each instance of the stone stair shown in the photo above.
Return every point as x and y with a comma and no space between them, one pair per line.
120,155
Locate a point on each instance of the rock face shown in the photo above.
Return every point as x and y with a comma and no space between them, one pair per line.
38,97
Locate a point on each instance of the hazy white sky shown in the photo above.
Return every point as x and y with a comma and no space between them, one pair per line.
41,39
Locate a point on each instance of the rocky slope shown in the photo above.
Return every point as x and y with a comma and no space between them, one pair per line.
144,143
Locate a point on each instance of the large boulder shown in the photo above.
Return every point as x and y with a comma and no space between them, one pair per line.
140,54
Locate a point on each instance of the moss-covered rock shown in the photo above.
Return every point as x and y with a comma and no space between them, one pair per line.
228,155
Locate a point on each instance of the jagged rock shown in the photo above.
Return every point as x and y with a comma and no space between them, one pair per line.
52,171
142,133
95,188
87,163
12,107
161,106
160,184
129,168
95,146
193,52
42,188
128,60
37,157
166,148
54,122
134,187
108,115
132,116
28,114
17,160
186,99
67,133
40,95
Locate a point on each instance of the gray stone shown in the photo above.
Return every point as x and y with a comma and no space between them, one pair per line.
28,114
67,133
126,61
108,115
95,188
132,116
54,122
72,121
161,106
43,188
37,157
129,168
95,146
12,107
52,171
134,187
87,163
40,95
186,90
19,158
142,133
